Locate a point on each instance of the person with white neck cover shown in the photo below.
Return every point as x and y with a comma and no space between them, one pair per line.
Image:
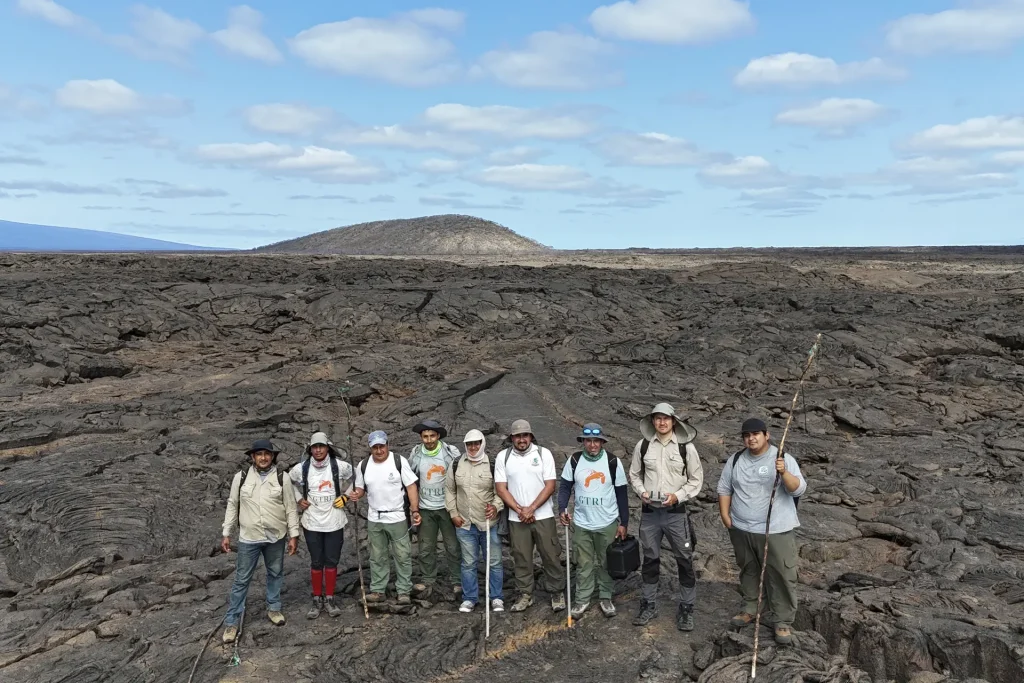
474,506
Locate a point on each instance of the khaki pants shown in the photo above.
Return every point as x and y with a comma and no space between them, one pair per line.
779,579
592,559
434,521
542,535
387,540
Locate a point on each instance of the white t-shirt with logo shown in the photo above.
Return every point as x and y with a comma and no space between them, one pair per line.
321,515
596,506
385,489
526,475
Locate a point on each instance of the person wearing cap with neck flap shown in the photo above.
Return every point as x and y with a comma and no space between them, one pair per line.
431,460
386,478
666,472
600,516
322,482
474,507
524,477
262,505
744,492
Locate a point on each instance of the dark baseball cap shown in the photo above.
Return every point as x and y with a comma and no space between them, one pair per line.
753,424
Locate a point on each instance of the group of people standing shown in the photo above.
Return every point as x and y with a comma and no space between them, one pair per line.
471,501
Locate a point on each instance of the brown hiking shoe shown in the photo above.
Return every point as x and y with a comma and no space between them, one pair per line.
404,600
742,619
374,597
276,618
230,633
783,635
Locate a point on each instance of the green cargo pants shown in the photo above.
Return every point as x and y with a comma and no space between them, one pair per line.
434,521
542,535
387,540
592,559
780,578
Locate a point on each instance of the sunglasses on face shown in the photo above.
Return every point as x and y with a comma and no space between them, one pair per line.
591,432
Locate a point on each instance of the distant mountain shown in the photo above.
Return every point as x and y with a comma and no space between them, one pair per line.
445,234
28,237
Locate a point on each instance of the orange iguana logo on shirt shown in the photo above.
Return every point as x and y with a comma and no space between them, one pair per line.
325,485
434,469
591,477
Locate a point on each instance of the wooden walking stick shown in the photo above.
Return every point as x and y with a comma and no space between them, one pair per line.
352,462
568,586
771,502
487,581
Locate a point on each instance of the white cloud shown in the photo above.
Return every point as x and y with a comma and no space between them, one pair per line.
650,149
50,11
755,172
440,166
937,175
551,60
1012,159
286,119
516,155
455,200
159,36
509,122
408,49
673,21
244,36
985,26
568,179
972,135
834,115
788,201
107,97
401,137
320,164
445,19
798,70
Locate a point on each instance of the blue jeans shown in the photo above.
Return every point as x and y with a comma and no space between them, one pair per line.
473,543
245,566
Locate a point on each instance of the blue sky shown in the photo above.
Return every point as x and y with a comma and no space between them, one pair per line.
658,123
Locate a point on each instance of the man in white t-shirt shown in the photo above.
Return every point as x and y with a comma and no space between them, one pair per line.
386,478
524,478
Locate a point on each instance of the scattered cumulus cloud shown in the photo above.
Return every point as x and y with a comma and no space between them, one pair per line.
799,70
440,166
516,155
833,116
673,21
932,175
50,11
650,149
555,60
411,49
510,122
107,97
286,119
404,137
320,164
983,26
244,36
973,135
568,179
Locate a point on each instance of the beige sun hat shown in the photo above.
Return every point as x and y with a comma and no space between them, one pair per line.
684,432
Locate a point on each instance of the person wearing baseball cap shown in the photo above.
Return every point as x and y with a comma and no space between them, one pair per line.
744,492
524,478
386,479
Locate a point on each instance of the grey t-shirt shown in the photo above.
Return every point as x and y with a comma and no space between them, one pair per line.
750,486
432,471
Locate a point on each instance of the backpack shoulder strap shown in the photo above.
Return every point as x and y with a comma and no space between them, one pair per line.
397,459
736,457
305,477
362,470
335,475
644,445
574,460
613,465
280,477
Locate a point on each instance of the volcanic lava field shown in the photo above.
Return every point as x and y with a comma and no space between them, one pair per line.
131,384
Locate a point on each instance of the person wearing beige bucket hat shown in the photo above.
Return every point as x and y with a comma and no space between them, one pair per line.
666,472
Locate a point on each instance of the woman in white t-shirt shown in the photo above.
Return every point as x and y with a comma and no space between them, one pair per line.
316,482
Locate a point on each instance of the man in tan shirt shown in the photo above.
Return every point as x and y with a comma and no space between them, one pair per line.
262,505
474,506
666,472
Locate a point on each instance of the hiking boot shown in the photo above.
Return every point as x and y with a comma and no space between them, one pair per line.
578,609
497,605
331,606
423,591
230,633
741,619
558,602
684,618
456,593
648,611
783,635
314,610
374,598
522,603
467,606
607,608
276,618
404,599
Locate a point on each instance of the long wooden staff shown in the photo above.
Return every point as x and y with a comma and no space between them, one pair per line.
352,462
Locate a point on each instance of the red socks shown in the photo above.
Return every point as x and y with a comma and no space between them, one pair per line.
317,575
331,577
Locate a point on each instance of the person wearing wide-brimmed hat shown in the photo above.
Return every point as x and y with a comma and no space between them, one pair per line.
430,460
322,482
601,514
524,478
666,472
262,504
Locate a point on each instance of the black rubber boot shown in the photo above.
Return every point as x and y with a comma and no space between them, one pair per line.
648,611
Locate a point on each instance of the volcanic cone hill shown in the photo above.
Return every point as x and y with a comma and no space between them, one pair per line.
445,234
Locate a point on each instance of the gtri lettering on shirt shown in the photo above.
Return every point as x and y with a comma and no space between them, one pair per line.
432,470
594,492
321,515
664,470
385,489
526,475
750,486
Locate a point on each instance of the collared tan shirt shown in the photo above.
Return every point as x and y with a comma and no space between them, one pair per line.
664,471
468,493
267,512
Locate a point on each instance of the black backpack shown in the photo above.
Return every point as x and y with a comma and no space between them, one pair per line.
397,460
334,475
736,457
